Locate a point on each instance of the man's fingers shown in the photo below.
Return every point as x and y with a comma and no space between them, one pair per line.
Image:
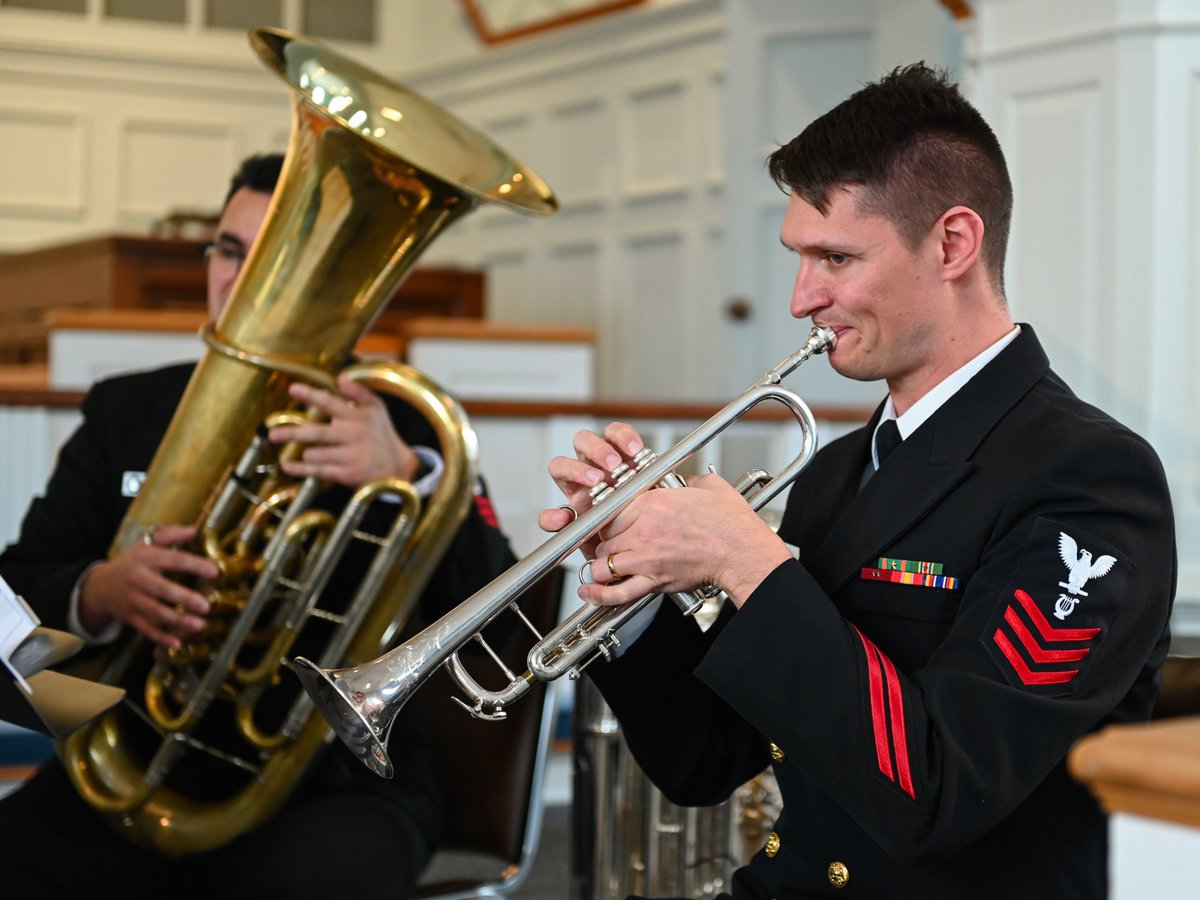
312,434
150,629
162,590
555,519
354,392
568,473
591,448
618,593
169,535
624,437
164,559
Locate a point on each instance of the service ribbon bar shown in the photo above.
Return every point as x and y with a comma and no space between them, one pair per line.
910,565
920,579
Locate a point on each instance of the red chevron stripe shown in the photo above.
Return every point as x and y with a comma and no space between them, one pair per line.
1035,650
1048,631
1027,675
896,706
878,716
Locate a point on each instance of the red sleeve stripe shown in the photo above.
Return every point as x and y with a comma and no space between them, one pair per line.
486,511
1026,674
878,715
1048,631
896,705
887,719
1033,648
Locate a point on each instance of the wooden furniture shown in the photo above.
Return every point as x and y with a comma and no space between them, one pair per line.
155,273
1149,769
113,271
1147,777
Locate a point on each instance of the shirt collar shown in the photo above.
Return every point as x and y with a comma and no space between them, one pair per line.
916,414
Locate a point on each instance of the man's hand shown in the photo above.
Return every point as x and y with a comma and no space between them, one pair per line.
675,539
134,588
595,457
357,445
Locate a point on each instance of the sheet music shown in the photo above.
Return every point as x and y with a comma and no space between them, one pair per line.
17,621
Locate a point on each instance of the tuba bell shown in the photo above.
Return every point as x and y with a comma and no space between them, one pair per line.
373,172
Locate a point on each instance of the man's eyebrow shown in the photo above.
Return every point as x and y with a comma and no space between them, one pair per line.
228,237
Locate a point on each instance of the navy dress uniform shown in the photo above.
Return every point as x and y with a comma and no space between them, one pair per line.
999,588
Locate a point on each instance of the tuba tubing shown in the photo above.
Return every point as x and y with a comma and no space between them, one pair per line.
361,702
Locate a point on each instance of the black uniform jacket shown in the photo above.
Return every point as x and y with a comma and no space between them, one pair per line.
999,588
73,525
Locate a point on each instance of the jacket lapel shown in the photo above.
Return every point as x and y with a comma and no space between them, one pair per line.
930,463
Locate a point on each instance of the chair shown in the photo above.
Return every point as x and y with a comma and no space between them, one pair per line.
492,772
1179,694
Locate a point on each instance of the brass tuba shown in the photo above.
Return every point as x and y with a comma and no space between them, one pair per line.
372,173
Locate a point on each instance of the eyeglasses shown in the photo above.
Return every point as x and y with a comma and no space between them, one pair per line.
226,255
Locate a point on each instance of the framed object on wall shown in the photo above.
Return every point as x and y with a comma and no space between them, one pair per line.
502,20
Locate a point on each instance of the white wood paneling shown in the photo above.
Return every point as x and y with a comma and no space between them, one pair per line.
57,187
624,130
575,275
580,134
1055,153
173,163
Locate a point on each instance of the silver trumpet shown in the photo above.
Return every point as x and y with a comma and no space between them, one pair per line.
361,702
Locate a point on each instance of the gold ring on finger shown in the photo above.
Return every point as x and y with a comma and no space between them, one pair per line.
612,570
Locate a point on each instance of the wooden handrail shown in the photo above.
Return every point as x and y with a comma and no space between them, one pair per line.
1149,769
610,410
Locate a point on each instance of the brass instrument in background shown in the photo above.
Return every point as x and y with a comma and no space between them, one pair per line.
628,838
361,702
373,172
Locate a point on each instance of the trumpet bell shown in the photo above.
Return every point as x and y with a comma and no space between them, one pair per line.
362,723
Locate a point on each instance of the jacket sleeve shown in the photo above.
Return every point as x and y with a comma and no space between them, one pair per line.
71,525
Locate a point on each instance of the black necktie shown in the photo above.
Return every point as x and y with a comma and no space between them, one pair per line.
887,439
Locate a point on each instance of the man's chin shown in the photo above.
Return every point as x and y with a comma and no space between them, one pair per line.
848,367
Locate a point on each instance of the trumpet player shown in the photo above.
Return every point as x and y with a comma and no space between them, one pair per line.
958,591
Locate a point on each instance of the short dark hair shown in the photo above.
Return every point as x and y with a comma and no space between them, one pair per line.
917,147
259,172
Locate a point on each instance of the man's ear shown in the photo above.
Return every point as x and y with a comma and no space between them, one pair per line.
960,234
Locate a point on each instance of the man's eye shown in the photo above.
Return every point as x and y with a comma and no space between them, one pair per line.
227,252
836,259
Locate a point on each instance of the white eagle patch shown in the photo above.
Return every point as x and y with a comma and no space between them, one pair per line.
1080,567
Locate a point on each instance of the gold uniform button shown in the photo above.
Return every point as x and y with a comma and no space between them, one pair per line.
839,875
777,754
772,845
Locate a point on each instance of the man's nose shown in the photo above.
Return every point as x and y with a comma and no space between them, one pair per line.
808,295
